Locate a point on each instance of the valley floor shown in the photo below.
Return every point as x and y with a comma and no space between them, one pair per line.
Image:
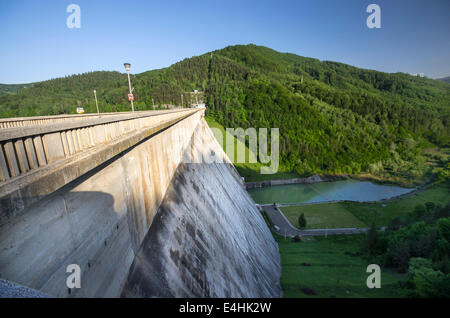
334,266
330,267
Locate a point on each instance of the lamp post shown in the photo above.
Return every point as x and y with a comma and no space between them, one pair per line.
127,68
96,103
196,96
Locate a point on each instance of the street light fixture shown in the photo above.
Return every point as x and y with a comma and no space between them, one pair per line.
96,103
127,68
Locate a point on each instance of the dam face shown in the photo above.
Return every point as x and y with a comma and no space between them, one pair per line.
147,214
207,239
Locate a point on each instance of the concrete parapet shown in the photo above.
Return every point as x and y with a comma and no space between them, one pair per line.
55,155
44,120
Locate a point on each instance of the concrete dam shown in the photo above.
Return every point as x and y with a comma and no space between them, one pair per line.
147,204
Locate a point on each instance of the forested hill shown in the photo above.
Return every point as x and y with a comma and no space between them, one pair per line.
445,79
12,88
332,117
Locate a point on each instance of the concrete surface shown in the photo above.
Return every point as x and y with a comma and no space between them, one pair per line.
208,238
96,209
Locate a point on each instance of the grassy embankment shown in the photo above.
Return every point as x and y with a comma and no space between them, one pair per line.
250,171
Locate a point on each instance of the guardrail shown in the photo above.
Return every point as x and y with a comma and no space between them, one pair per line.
31,147
44,120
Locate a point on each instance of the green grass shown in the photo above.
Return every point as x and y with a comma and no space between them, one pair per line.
250,171
319,216
383,215
332,271
353,214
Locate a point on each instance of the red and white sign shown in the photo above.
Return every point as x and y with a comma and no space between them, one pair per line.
130,97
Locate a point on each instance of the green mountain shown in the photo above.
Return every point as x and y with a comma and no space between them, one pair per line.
333,117
445,79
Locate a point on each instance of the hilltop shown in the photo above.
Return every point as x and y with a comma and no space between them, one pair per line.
333,117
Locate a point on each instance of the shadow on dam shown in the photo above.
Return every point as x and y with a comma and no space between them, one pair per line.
207,239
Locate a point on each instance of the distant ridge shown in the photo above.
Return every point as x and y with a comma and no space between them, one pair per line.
444,79
12,88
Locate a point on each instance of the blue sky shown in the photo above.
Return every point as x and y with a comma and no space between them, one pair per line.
35,43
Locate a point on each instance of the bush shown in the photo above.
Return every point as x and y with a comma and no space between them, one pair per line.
308,291
398,257
426,280
301,221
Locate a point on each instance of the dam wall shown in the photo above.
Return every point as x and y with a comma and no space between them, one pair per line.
208,239
105,207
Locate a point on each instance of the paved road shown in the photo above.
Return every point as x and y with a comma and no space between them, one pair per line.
287,229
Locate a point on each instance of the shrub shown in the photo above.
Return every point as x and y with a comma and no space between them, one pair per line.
302,221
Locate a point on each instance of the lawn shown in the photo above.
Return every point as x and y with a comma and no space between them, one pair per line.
383,213
326,267
320,216
354,214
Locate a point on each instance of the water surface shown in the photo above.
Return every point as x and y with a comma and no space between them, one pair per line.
326,191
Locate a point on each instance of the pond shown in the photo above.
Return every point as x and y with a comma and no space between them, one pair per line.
353,190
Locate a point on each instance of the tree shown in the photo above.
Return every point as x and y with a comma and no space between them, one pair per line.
426,280
398,257
419,211
302,221
372,239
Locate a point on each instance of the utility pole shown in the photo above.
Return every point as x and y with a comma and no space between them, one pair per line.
96,103
130,96
181,100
